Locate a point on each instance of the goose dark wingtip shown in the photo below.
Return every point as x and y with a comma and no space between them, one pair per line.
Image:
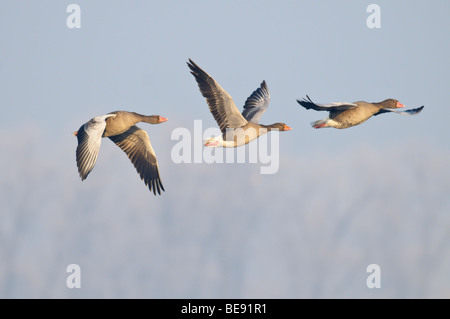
152,187
192,65
83,174
417,110
155,185
159,186
304,102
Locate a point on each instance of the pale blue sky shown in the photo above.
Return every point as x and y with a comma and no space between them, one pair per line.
133,56
343,199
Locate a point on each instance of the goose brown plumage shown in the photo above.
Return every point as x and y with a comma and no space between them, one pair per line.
119,127
237,128
344,115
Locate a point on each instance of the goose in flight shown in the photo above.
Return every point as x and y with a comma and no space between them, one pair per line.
344,115
237,128
120,127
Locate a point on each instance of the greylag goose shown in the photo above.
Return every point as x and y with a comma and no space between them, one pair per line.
344,115
237,128
120,127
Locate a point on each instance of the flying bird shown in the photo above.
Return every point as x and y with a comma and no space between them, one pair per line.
120,128
344,115
237,128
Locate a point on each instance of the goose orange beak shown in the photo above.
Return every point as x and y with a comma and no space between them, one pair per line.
287,128
162,119
75,133
399,105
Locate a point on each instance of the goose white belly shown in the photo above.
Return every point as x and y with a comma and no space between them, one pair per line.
236,137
